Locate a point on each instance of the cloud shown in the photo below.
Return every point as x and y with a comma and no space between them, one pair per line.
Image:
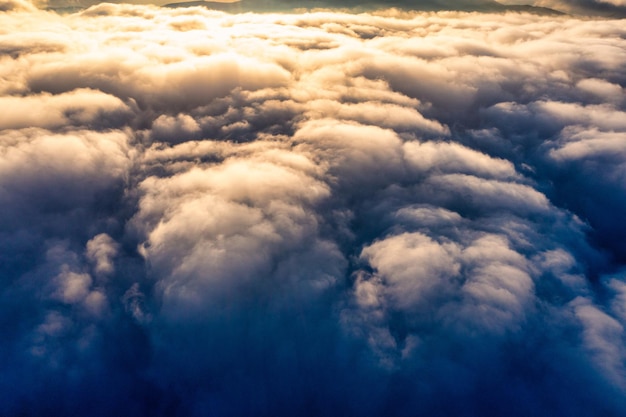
80,107
389,213
602,336
413,266
455,158
101,250
210,231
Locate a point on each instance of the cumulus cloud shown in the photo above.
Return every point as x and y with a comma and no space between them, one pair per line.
384,213
79,107
100,251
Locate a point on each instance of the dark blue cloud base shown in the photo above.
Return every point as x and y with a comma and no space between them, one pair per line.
391,214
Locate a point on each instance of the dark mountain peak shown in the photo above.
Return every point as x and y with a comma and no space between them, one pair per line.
427,5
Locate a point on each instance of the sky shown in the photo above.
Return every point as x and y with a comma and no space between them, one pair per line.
327,213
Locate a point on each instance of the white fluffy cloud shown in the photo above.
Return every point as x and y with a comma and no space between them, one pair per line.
292,208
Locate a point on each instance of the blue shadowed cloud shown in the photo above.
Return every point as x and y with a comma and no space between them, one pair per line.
389,213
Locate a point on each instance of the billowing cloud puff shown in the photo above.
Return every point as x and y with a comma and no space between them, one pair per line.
212,230
80,107
329,213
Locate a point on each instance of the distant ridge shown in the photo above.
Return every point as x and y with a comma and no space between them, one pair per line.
533,9
214,5
426,5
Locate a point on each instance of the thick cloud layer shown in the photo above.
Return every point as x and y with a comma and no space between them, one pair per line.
394,213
